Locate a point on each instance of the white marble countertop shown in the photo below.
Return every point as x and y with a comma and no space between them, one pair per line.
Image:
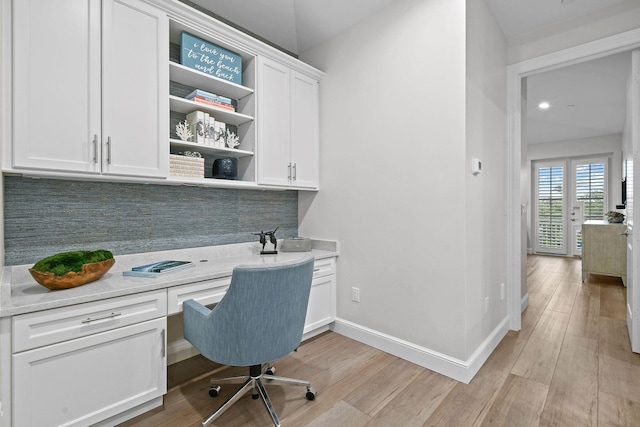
20,293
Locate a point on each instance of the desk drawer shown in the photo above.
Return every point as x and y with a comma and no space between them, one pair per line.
324,267
208,292
42,328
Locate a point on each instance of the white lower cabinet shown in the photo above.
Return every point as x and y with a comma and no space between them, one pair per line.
321,310
87,380
83,364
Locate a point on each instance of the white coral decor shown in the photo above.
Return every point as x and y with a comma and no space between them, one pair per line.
183,131
232,139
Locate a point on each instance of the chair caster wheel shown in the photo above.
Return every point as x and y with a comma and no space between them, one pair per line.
254,395
311,393
271,370
214,391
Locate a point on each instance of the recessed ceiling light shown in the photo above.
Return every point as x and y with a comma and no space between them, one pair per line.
544,105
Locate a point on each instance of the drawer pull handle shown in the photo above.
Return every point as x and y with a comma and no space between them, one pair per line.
316,269
105,316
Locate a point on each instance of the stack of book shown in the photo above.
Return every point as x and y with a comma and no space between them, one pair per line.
211,99
186,166
206,129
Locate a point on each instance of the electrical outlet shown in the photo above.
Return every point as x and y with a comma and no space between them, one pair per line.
486,305
355,294
502,293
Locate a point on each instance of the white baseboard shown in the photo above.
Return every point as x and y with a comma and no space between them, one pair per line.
524,302
457,369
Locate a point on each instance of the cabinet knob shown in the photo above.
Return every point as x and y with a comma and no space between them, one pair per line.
625,233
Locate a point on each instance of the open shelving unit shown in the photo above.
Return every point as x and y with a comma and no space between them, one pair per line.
184,79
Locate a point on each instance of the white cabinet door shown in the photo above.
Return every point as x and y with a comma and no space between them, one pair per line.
86,380
135,91
304,131
288,135
321,309
56,76
274,155
91,87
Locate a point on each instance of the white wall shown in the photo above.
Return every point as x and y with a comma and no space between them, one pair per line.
404,107
485,210
5,104
609,145
622,17
394,169
627,145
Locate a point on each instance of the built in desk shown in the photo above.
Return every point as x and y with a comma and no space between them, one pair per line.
97,354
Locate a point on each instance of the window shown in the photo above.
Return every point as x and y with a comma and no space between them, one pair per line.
550,201
590,185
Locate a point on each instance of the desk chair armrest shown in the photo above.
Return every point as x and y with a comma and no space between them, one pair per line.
194,305
195,322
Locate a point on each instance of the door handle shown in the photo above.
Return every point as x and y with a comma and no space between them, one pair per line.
625,233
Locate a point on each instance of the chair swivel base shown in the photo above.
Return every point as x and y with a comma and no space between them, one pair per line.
254,382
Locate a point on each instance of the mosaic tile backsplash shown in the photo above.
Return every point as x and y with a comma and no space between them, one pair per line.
46,216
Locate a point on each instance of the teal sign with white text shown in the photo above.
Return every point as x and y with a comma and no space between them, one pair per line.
210,59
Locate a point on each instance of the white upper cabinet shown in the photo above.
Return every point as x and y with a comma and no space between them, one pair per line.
96,89
135,88
274,135
56,84
304,131
85,103
287,127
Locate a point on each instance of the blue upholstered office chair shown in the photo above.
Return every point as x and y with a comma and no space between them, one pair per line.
260,319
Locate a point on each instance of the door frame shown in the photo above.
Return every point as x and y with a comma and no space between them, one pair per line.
516,207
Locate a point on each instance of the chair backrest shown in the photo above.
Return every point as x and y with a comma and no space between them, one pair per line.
261,317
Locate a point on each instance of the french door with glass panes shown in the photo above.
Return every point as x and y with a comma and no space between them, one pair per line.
563,201
589,197
550,206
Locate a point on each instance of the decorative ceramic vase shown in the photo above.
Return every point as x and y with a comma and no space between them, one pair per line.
89,273
225,168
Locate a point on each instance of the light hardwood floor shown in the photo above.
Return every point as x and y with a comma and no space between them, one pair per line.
570,365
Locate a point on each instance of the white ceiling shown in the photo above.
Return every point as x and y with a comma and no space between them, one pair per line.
595,89
587,100
518,17
295,25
